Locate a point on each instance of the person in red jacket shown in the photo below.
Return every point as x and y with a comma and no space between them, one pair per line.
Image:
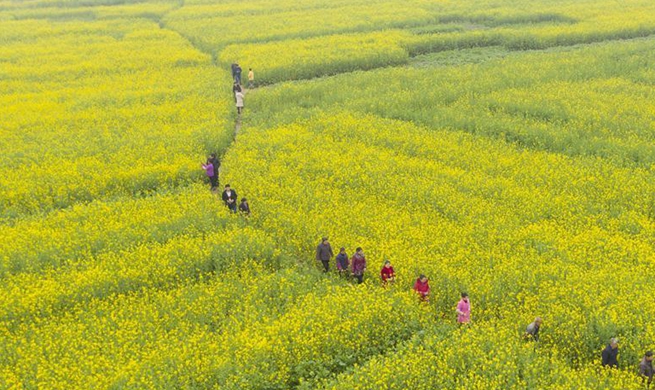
387,274
422,288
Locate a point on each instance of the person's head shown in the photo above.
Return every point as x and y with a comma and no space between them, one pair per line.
387,264
213,155
649,356
342,250
227,187
614,342
465,296
324,240
423,278
359,250
244,200
249,68
538,321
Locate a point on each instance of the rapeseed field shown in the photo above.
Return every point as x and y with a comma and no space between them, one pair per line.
501,148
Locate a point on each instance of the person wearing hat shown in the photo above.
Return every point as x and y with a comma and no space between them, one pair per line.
610,354
324,253
422,288
342,261
387,273
646,368
463,309
532,331
358,264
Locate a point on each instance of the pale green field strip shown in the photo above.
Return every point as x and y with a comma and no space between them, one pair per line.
607,112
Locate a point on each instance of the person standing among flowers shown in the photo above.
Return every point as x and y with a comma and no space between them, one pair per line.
387,273
422,288
251,79
610,354
463,310
237,74
209,170
646,368
358,263
342,261
324,253
230,198
216,164
532,331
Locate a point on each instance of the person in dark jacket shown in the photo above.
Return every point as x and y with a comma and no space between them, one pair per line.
610,354
230,198
342,261
244,207
215,163
646,368
234,71
237,74
236,87
324,253
358,264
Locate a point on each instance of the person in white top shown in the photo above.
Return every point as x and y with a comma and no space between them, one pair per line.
239,96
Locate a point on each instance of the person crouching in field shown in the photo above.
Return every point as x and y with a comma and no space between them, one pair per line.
244,207
387,273
211,173
342,262
422,288
463,310
358,263
239,98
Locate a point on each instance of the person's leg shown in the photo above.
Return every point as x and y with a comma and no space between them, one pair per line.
326,265
360,278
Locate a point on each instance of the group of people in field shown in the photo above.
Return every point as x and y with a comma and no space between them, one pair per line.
237,90
356,266
229,196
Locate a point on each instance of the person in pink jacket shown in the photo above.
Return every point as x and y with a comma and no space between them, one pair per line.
464,309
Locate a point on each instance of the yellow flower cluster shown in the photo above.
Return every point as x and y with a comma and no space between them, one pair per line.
526,182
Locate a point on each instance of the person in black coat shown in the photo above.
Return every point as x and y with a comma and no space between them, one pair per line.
610,354
230,198
244,207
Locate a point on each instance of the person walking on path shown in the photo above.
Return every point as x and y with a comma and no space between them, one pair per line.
422,288
358,263
463,310
532,331
251,79
230,198
342,261
324,253
234,71
237,73
211,173
244,207
646,368
610,354
239,100
236,87
215,163
387,273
